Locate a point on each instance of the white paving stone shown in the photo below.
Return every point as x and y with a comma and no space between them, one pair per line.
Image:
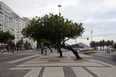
80,72
33,73
67,54
103,71
78,63
53,72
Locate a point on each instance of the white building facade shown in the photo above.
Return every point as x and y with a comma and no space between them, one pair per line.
10,21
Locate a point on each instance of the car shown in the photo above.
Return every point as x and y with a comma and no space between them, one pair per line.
89,51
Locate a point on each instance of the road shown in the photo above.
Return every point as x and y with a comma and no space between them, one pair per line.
104,57
32,64
9,57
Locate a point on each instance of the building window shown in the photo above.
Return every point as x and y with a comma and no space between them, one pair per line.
0,16
0,29
1,12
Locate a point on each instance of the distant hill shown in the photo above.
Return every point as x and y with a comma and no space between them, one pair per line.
83,45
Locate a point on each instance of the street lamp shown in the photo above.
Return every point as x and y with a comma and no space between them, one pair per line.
91,34
59,8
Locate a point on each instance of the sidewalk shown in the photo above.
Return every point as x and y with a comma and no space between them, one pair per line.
52,66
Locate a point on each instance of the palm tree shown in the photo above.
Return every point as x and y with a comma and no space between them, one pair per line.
115,46
107,43
92,44
111,43
100,44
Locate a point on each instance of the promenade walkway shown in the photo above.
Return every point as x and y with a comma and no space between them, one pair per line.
52,66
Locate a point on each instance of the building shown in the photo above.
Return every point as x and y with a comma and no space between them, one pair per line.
10,21
7,20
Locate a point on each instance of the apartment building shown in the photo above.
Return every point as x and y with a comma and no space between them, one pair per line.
10,21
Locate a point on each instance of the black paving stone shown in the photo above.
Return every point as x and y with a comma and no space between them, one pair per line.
41,72
93,74
68,72
13,73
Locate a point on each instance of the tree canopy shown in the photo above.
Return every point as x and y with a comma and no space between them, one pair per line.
5,37
53,28
19,43
27,45
102,43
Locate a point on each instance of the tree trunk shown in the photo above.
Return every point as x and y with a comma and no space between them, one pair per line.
50,48
74,51
59,50
38,45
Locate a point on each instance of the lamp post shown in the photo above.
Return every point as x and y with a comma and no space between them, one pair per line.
91,34
59,8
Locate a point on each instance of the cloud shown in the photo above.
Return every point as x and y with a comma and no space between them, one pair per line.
96,15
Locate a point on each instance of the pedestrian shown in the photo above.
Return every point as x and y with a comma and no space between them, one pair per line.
112,50
45,50
42,50
1,50
8,50
108,51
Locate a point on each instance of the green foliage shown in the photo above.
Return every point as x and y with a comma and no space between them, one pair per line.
114,46
10,43
53,28
19,43
93,44
5,37
102,43
27,45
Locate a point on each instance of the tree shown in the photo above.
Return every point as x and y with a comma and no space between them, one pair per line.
111,43
100,44
5,37
93,44
10,43
108,43
115,46
55,29
47,44
27,45
19,44
103,43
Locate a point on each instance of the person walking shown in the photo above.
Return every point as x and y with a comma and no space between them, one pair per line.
1,50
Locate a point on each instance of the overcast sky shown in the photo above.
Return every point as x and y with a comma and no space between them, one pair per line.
96,15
